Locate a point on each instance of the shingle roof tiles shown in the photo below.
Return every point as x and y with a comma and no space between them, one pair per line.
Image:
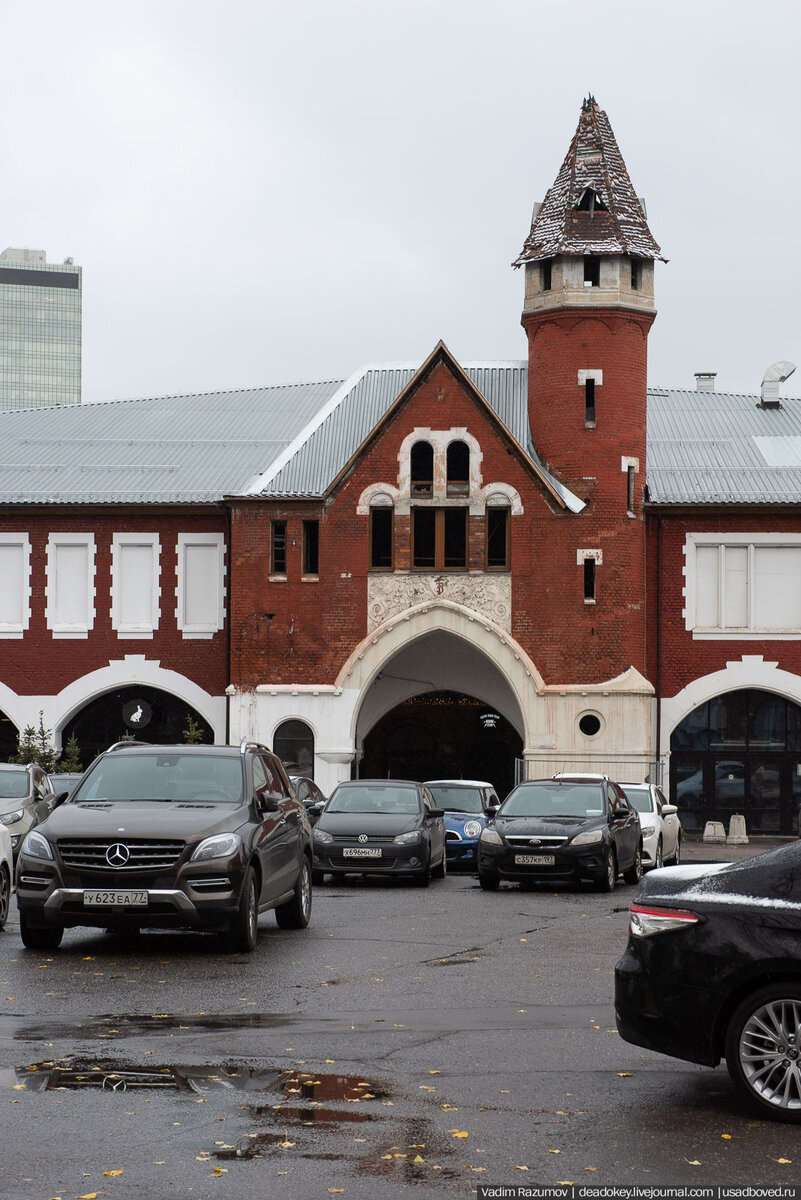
618,226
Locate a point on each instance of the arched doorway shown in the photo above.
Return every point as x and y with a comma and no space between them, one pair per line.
145,713
9,738
739,753
443,735
293,742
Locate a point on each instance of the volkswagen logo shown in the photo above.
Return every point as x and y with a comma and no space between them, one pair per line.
117,855
362,837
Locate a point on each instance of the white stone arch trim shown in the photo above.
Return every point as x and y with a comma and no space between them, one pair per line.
750,672
128,672
380,646
370,494
502,489
295,715
16,708
440,439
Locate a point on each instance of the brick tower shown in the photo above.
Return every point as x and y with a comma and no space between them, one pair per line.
589,304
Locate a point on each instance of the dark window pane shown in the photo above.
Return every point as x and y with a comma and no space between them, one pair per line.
728,721
693,732
311,547
687,785
381,537
765,794
422,464
497,527
589,400
278,548
730,785
589,578
766,726
458,469
424,536
294,744
455,537
793,727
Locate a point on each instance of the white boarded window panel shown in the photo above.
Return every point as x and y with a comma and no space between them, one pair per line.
69,585
777,586
15,574
736,587
136,587
202,586
706,586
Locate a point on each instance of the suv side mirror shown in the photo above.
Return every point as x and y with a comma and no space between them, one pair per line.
268,803
436,812
57,799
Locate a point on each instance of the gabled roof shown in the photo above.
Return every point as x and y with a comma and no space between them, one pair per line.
592,207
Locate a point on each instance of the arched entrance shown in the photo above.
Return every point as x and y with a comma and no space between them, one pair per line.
739,752
146,713
443,735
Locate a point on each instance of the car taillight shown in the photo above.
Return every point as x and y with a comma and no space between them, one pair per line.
645,921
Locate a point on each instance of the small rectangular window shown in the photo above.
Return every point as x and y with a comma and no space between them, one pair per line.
381,521
278,548
630,489
589,578
311,547
589,402
497,537
546,275
424,534
636,275
592,271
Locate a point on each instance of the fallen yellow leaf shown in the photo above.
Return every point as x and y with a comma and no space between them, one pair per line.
88,1196
783,1160
112,1172
459,1133
517,1168
726,1136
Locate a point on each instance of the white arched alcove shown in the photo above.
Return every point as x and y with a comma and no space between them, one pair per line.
750,672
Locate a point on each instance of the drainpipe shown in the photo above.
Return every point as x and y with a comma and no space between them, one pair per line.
659,642
228,641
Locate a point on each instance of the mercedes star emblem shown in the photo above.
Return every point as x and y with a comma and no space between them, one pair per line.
117,855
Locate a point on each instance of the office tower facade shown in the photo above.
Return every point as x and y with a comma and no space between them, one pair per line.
40,330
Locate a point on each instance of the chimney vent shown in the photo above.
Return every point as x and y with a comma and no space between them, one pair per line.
705,381
776,373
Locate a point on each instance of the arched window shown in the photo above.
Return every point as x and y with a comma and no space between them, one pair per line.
458,469
422,464
381,529
293,742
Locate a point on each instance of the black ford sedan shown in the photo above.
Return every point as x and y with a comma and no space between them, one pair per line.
566,829
713,969
380,827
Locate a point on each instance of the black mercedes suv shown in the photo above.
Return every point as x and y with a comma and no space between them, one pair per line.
204,837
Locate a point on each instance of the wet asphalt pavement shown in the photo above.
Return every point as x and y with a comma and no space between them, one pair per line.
408,1043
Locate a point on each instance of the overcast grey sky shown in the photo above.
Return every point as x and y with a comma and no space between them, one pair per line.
261,192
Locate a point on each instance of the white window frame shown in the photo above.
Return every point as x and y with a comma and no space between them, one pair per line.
62,629
200,631
751,541
118,544
16,629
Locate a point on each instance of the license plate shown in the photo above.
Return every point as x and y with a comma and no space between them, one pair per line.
116,899
361,852
535,860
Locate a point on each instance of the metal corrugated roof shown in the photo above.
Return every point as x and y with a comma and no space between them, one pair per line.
722,448
181,449
292,440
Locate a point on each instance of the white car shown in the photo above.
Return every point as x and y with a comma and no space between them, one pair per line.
661,827
6,874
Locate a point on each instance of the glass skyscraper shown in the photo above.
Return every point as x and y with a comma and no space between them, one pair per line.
40,330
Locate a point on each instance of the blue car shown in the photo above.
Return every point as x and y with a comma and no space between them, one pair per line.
468,805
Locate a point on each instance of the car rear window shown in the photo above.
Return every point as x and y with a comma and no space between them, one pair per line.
639,798
554,800
174,777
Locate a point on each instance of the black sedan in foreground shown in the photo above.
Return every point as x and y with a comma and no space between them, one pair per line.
713,969
562,830
380,827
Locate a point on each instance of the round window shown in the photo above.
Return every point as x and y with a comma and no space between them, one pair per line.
590,724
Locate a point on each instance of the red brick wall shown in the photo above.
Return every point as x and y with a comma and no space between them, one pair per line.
39,663
682,658
315,625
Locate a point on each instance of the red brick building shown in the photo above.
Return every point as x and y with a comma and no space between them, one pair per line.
481,569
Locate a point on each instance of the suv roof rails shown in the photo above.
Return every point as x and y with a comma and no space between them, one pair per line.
247,744
127,742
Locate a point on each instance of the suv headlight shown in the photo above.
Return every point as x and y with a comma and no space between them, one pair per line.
12,818
407,839
320,835
491,837
36,846
589,838
222,845
472,828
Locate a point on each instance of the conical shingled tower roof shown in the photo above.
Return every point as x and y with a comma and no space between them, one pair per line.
592,207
